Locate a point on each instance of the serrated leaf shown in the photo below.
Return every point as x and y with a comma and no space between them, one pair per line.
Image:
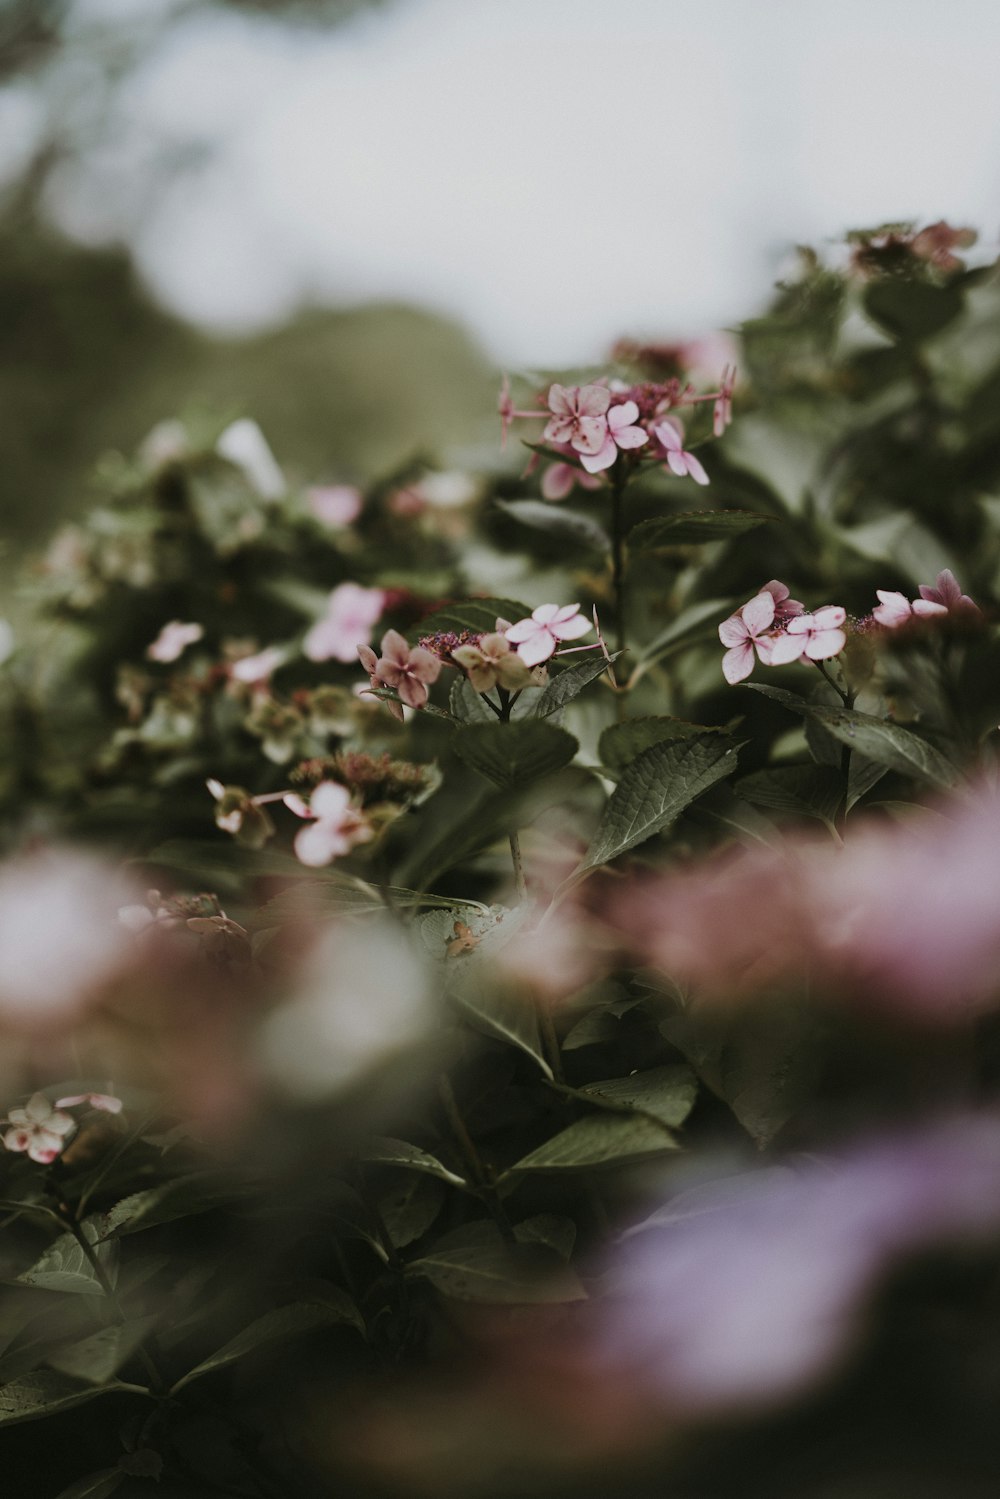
386,1151
63,1267
600,1139
556,520
44,1392
692,528
274,1327
877,739
702,618
466,704
808,790
182,1198
620,743
667,1093
562,689
515,754
477,615
478,1264
654,789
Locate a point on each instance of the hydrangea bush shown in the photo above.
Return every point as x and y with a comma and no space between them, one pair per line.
495,986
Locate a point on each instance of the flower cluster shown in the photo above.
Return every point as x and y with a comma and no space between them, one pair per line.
778,630
587,427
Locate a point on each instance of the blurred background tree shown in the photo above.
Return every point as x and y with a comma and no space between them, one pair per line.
90,362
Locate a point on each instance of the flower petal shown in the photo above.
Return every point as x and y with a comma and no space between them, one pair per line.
738,663
758,615
538,648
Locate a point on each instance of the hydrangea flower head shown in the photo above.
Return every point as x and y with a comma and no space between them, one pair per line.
351,615
578,416
679,461
408,670
335,827
745,632
818,636
622,433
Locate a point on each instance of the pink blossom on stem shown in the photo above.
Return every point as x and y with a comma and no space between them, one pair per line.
107,1103
785,608
948,591
369,661
578,416
408,671
896,609
351,614
818,636
722,410
335,504
744,632
536,638
38,1129
256,670
621,434
336,825
679,461
173,640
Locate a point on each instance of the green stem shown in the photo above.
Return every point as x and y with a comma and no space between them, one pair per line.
157,1384
477,1168
520,884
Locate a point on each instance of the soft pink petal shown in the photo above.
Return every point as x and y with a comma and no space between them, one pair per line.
315,846
783,649
669,437
593,400
563,612
622,416
424,665
758,615
395,648
526,629
330,801
893,610
45,1146
368,659
546,613
733,631
561,400
825,643
298,805
590,434
677,464
559,429
17,1139
695,469
926,608
631,437
738,663
538,648
596,463
558,481
571,629
830,617
412,691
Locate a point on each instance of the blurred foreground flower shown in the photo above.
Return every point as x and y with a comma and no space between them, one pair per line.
742,1292
38,1129
904,914
351,614
244,445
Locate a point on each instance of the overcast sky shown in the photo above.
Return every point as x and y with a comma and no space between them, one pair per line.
554,172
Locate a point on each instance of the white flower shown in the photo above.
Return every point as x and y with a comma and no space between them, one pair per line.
39,1129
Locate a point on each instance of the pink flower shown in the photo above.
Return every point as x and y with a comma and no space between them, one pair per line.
560,479
258,669
679,461
335,504
107,1103
351,614
408,671
743,632
722,410
369,661
536,638
336,827
896,609
578,416
173,640
38,1129
621,433
948,592
818,636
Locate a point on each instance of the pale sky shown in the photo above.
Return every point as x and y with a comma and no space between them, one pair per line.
552,172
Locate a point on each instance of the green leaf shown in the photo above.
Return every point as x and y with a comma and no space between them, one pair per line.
878,739
477,615
385,1151
98,1358
551,1229
515,754
698,619
410,1206
556,520
808,790
63,1267
477,1264
912,310
562,689
183,1198
95,1486
44,1393
667,1093
654,789
466,704
693,527
620,743
274,1327
601,1139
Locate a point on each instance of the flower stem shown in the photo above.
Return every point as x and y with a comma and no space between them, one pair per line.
477,1168
520,884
